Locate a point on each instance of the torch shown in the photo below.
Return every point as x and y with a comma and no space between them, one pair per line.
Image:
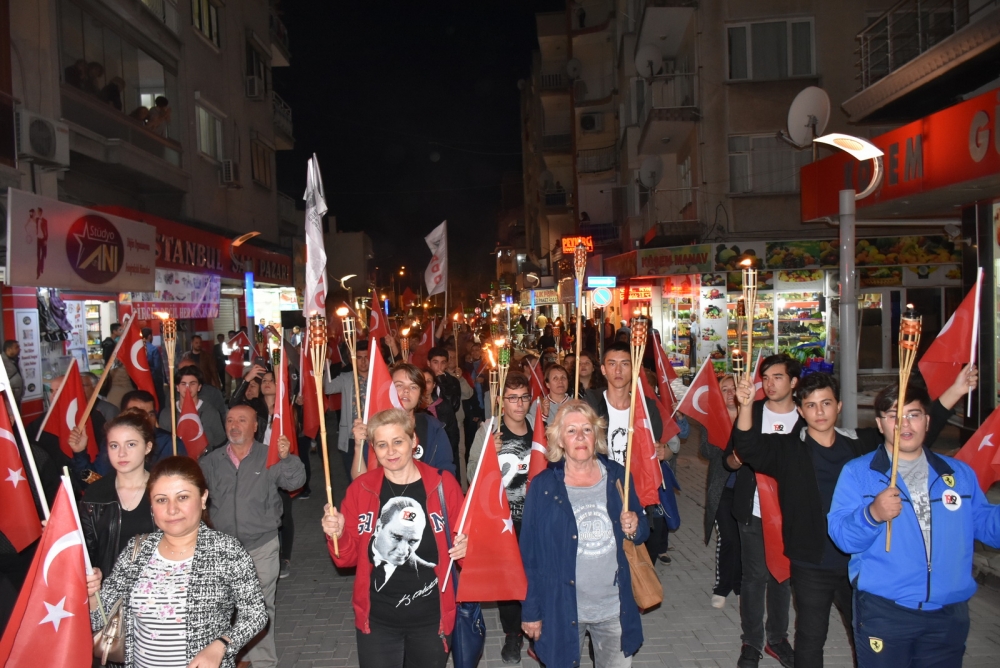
910,325
749,303
456,328
404,344
317,354
640,330
580,266
168,332
351,339
503,365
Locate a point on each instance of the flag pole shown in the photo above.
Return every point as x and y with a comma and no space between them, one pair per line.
282,365
52,402
28,454
351,339
317,351
639,331
104,374
76,516
909,340
580,267
975,335
468,498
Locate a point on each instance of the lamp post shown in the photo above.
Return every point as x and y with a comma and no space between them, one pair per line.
861,150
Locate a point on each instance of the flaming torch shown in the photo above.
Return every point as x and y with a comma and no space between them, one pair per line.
910,326
749,305
351,339
580,267
317,354
168,332
404,344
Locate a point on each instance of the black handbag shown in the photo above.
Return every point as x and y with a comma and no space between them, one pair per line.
468,640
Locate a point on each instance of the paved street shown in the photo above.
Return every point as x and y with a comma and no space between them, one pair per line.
316,626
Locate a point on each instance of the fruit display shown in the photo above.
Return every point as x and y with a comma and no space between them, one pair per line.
713,280
712,312
800,276
793,254
905,250
728,258
883,276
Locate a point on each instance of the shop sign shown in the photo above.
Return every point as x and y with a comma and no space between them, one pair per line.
641,293
182,294
30,362
955,145
869,252
621,266
546,296
602,281
696,259
58,245
569,244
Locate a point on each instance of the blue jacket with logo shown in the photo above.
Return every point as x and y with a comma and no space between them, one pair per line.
960,514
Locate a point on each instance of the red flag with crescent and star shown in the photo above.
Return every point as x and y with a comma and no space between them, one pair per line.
418,358
380,395
132,355
237,345
954,346
670,427
981,452
19,520
705,404
646,473
69,402
537,384
665,374
492,547
283,420
378,329
50,623
539,444
189,427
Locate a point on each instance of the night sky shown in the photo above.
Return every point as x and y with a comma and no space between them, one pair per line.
414,113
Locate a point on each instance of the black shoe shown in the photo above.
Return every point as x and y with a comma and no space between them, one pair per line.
511,652
665,558
749,657
781,651
304,495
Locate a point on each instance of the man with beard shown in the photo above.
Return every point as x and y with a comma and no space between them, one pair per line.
513,445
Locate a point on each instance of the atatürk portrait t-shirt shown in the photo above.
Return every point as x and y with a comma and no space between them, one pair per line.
403,553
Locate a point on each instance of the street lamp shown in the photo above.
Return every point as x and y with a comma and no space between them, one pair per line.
861,150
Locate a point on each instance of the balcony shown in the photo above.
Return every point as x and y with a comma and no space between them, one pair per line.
553,78
664,23
603,234
920,55
165,11
280,53
669,218
595,160
284,135
666,110
556,201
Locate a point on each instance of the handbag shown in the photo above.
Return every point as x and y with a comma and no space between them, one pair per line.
109,642
646,588
468,640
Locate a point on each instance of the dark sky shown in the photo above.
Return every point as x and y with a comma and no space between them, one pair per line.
378,90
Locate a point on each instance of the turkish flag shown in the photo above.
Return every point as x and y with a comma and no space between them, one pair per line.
69,402
645,467
307,382
758,379
954,346
670,428
189,427
378,328
665,373
492,548
708,410
50,624
283,420
19,519
237,345
132,355
981,451
770,513
379,396
418,357
539,444
537,384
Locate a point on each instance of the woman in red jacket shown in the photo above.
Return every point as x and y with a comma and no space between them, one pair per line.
400,550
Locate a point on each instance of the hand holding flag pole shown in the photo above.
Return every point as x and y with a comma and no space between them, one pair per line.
126,326
909,340
168,332
580,267
317,353
640,329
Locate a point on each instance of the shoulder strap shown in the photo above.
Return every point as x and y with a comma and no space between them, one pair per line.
139,540
447,531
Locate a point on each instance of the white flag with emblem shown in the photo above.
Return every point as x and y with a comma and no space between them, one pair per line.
436,274
314,301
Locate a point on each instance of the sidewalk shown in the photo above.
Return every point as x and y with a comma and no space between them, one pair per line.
315,623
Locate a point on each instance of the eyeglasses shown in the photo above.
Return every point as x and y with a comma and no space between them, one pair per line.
909,417
523,399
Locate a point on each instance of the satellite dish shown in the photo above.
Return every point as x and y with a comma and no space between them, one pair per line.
808,115
573,68
648,61
651,171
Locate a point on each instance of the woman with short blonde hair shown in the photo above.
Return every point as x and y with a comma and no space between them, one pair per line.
554,432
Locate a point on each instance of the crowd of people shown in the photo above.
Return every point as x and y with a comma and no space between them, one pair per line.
159,528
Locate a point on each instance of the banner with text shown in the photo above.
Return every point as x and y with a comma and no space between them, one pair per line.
179,293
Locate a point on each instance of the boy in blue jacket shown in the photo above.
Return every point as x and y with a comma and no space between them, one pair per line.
910,603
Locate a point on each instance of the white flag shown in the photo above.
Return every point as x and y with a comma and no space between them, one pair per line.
315,288
436,274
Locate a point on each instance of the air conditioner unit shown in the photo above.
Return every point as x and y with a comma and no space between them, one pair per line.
41,140
229,174
592,122
255,87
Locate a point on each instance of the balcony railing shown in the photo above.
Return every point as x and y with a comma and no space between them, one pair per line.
590,161
556,198
908,29
282,115
165,10
553,77
602,233
668,91
557,143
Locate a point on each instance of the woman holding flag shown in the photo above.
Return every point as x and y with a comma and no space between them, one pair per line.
573,528
400,547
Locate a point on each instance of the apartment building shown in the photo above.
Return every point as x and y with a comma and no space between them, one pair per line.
163,107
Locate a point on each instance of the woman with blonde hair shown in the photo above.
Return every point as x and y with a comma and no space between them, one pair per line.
573,528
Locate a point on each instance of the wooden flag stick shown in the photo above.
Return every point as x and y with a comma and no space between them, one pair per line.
28,454
128,320
317,351
909,340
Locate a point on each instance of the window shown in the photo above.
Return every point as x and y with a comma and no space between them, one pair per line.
257,66
205,17
764,164
209,133
260,162
771,50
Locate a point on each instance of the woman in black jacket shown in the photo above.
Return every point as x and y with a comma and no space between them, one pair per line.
116,507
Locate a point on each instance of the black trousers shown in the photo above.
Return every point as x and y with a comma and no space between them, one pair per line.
659,536
305,447
815,590
286,534
728,566
887,635
387,647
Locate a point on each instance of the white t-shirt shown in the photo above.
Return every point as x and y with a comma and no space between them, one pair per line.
617,432
774,423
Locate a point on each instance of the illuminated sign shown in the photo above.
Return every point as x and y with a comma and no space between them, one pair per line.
569,244
636,292
602,282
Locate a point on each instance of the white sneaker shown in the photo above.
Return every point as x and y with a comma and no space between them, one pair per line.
718,601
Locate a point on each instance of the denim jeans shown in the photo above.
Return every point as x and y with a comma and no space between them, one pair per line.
759,589
606,638
815,590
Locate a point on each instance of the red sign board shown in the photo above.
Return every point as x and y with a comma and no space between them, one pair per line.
569,244
955,145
